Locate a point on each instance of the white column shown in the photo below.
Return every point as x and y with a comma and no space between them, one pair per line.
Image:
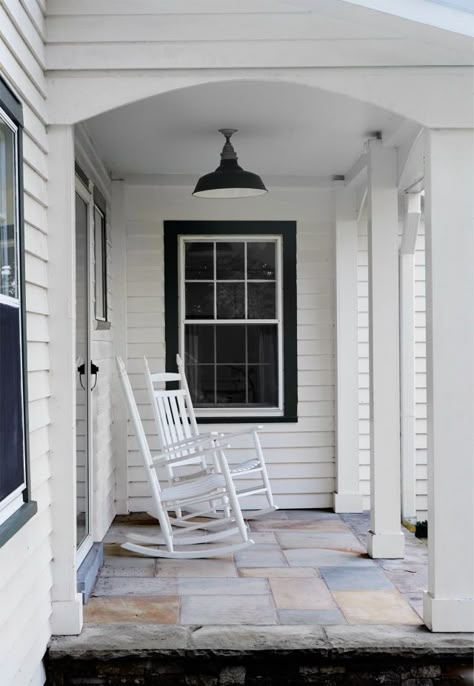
66,602
347,497
449,188
407,356
119,294
385,538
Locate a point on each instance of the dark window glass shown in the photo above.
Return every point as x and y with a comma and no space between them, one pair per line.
261,260
230,300
231,384
11,403
230,343
199,343
199,261
261,301
199,300
262,385
262,344
230,261
201,381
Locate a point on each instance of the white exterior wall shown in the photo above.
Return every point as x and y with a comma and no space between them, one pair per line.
300,455
420,371
25,560
102,354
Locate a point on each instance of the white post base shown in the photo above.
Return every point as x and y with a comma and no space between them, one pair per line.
448,614
388,546
348,502
66,617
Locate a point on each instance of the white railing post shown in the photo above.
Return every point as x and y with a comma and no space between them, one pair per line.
347,496
449,209
385,538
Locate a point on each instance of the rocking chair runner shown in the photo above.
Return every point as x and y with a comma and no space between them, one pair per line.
207,490
176,426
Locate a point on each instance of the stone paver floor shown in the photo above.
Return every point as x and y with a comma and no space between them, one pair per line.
306,567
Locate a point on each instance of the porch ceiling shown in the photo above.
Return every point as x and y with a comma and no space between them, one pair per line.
284,130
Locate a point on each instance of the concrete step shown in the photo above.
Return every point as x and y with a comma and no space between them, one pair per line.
169,655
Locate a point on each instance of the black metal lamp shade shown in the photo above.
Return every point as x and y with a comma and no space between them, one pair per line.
229,180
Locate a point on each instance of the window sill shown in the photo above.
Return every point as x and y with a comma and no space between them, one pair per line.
14,523
102,326
257,419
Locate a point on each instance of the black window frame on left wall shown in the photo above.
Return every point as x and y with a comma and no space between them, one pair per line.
12,108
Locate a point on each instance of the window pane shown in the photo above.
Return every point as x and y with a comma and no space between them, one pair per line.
12,473
231,384
8,229
100,271
199,260
261,301
230,260
199,301
262,344
230,300
261,260
262,383
201,384
199,344
230,343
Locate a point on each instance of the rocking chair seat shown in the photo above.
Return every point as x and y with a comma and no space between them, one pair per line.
245,467
193,488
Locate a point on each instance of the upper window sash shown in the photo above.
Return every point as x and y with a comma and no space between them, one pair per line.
9,213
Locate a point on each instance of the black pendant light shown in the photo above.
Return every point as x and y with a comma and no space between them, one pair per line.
229,180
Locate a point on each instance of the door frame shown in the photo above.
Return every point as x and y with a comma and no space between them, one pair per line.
86,193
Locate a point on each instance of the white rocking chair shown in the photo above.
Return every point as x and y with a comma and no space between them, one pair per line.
176,425
208,490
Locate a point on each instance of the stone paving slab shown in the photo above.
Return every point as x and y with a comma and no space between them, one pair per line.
317,557
355,578
222,587
137,610
225,609
270,572
117,586
329,541
301,594
196,568
321,617
376,607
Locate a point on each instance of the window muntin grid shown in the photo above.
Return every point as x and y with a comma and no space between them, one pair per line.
220,293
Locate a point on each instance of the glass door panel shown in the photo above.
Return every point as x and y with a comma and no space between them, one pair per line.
82,375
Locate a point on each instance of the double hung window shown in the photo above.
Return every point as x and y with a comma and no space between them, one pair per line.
13,432
235,321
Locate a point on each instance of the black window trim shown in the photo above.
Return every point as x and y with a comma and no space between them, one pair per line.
10,104
287,231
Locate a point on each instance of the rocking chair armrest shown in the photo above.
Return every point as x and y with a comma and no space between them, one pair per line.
245,432
163,460
191,441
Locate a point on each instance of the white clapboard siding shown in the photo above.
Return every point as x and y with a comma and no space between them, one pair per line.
300,456
103,355
25,560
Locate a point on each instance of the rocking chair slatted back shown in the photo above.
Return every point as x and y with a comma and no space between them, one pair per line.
171,410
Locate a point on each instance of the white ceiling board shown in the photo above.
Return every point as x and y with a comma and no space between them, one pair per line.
284,130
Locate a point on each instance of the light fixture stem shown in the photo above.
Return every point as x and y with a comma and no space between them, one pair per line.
228,152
